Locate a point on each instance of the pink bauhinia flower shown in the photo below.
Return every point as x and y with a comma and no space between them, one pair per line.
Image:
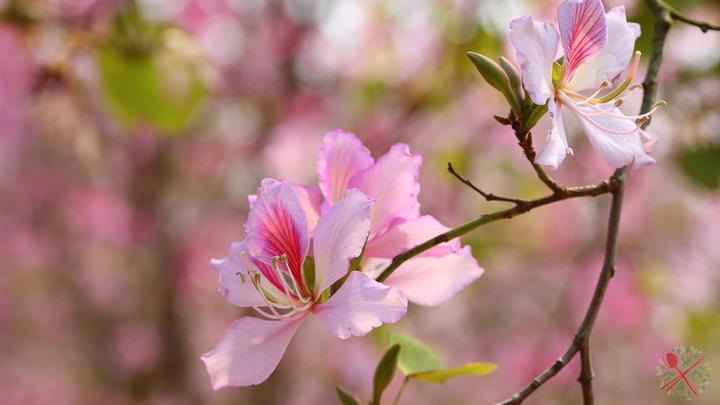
396,225
271,272
597,48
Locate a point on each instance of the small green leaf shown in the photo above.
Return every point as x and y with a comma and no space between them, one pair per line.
385,372
440,376
535,114
496,77
556,72
309,271
346,397
702,165
415,356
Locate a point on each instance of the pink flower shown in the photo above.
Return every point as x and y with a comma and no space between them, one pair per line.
597,48
396,225
270,272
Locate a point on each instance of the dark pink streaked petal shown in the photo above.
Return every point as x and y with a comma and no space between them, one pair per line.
583,31
277,225
340,158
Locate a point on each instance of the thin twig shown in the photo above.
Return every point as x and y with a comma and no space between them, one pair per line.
486,196
703,25
564,194
581,341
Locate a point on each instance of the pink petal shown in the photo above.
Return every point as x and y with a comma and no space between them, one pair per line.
393,183
360,305
310,199
234,284
277,225
341,157
616,149
536,44
556,147
250,351
583,31
408,234
613,58
434,280
339,237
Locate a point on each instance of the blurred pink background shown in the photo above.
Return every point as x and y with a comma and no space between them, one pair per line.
131,134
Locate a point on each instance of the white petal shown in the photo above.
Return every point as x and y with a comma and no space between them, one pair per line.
250,351
536,44
616,149
613,58
556,147
235,286
361,305
340,235
434,280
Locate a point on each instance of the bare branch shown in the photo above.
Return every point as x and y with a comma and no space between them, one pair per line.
581,341
703,25
486,196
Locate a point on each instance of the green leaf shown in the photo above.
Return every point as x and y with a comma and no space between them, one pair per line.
535,114
309,271
496,77
346,397
702,165
440,376
163,88
556,72
415,356
385,372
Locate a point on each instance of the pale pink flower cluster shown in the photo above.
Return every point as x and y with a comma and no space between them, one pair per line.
301,240
597,48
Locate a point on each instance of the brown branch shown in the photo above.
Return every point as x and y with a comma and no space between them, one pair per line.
487,196
525,206
703,25
581,341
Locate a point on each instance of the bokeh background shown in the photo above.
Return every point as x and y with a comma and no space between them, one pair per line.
132,132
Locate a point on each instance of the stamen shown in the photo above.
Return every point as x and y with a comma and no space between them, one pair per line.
588,118
281,276
298,291
584,100
255,282
619,89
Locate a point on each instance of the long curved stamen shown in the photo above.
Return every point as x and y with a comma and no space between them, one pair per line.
283,282
599,111
619,89
298,291
591,121
580,99
274,313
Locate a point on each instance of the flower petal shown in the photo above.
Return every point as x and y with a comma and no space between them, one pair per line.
407,234
536,44
360,305
556,147
250,351
393,183
340,235
583,31
341,157
618,141
434,280
277,225
310,199
613,58
234,284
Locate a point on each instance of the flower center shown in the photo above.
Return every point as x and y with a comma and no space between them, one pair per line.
283,295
